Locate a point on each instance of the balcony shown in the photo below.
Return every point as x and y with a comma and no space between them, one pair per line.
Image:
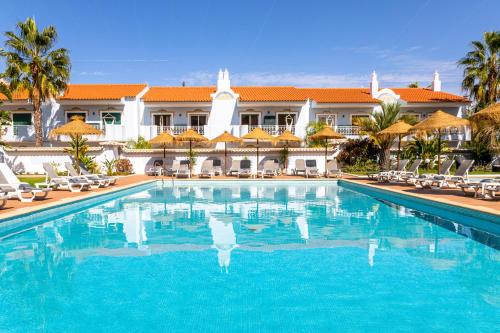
347,130
17,133
272,129
149,132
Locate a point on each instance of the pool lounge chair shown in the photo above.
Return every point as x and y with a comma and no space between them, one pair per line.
375,175
207,169
183,171
156,169
300,167
269,169
386,176
311,169
477,188
111,179
491,190
245,169
12,187
53,180
233,170
410,173
217,166
94,181
425,180
333,170
459,176
172,171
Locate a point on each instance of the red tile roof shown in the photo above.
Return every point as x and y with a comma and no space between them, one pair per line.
179,94
101,91
339,95
269,94
423,95
18,95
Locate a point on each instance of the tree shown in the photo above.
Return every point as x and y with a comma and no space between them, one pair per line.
380,120
312,128
33,65
4,115
414,85
481,67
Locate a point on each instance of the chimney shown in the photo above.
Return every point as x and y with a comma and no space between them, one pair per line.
436,83
223,82
374,84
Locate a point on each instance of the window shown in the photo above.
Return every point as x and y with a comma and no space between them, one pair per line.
71,114
250,119
358,118
198,119
20,119
111,118
269,120
162,120
326,118
287,119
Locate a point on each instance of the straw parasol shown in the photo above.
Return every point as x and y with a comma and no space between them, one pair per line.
77,128
400,129
162,139
439,121
225,137
191,136
287,136
258,134
491,112
326,134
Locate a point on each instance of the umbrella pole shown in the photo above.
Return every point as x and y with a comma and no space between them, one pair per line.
164,151
439,151
225,158
190,154
77,157
326,153
399,148
257,166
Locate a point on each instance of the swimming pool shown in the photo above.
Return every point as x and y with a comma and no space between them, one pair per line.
247,256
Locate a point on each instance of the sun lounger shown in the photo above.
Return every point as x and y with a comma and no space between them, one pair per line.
410,173
386,176
300,167
217,166
311,169
94,181
375,175
460,176
3,200
333,170
111,179
476,187
235,166
156,169
172,171
491,190
207,169
269,169
425,180
12,187
53,180
183,171
245,169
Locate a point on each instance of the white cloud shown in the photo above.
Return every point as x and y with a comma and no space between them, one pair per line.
94,73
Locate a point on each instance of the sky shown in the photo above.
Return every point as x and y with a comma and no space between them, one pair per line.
261,42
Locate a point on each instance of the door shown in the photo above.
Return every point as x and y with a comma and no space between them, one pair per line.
285,119
162,120
250,119
198,120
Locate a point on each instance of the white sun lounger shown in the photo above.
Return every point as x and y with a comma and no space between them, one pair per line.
245,169
111,179
12,187
235,167
426,180
53,180
311,169
269,169
300,167
207,169
333,170
94,181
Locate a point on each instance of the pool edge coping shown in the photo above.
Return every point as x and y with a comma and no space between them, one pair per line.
480,209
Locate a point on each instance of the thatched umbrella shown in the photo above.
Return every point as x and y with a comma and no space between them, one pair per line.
225,137
439,121
258,134
76,128
491,112
400,129
326,134
191,136
162,139
286,137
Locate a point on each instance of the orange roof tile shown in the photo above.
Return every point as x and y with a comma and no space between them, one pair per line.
179,94
339,95
424,95
16,96
269,94
101,91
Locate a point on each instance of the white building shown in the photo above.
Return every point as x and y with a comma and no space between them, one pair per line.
127,111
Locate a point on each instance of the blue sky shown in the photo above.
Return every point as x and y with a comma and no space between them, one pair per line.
262,42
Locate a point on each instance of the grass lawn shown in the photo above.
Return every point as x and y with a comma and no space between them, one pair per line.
32,179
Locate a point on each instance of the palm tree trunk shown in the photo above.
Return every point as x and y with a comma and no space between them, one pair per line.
37,116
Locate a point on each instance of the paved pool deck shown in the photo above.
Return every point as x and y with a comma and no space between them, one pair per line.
448,196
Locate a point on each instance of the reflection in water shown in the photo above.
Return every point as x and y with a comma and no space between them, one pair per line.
264,229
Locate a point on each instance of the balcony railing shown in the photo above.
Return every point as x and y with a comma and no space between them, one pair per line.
347,130
273,129
176,130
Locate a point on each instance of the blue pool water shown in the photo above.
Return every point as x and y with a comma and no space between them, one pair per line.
248,257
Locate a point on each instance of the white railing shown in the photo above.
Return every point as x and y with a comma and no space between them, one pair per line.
176,130
347,130
273,129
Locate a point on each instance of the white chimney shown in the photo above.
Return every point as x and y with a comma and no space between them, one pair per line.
374,84
436,83
223,82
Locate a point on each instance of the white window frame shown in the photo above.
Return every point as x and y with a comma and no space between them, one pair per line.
287,112
358,114
251,112
333,115
21,112
75,111
197,113
162,113
101,112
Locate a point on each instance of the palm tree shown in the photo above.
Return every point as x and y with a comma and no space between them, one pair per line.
4,115
482,70
414,85
35,66
380,120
